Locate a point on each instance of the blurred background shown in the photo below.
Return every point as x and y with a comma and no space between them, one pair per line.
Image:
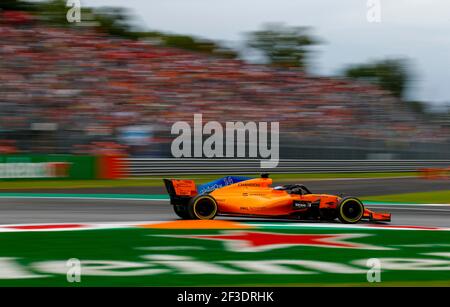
90,89
115,83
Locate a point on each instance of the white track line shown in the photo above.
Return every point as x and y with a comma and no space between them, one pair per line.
344,226
117,225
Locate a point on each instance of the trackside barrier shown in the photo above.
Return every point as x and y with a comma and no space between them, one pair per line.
134,167
111,167
19,167
22,166
16,167
435,173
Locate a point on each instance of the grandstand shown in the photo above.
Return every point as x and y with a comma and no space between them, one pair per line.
78,89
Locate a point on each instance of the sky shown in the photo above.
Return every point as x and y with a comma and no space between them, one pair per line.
418,30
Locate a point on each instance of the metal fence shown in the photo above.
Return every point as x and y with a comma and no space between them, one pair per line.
155,166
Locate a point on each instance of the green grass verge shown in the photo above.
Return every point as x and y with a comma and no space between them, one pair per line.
156,180
438,197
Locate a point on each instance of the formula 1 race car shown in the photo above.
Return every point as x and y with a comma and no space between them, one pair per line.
254,197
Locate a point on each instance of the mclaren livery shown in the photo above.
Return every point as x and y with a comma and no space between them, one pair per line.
254,197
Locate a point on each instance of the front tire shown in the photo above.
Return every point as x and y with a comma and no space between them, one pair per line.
202,207
350,210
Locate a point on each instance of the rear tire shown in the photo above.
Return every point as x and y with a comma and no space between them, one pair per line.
350,210
181,211
202,207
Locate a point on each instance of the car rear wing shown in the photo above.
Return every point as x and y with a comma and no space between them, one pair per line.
180,190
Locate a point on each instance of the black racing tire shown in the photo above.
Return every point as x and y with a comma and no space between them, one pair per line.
350,210
181,211
202,207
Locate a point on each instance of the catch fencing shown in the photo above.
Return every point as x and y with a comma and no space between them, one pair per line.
154,166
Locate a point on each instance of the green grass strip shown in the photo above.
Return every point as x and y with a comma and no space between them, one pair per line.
436,197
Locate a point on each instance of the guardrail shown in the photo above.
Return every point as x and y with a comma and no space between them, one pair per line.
155,166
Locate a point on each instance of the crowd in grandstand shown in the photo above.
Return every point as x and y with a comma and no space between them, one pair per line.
88,85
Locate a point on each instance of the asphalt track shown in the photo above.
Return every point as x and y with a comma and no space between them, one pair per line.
24,211
63,210
354,187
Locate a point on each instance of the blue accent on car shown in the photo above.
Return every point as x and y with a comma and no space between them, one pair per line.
219,183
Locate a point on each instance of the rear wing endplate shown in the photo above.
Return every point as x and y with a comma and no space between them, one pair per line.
180,191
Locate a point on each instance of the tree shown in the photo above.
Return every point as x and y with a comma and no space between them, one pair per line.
282,45
114,20
13,5
196,44
417,106
391,75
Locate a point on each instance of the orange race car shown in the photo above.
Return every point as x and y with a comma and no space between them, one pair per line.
254,197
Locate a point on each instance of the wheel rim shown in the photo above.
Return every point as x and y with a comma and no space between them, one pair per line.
352,210
205,208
